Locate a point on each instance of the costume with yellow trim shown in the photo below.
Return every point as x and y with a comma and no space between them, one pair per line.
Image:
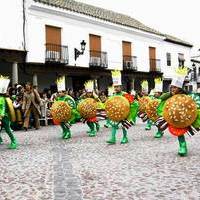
7,113
149,107
143,101
178,111
64,109
121,109
87,108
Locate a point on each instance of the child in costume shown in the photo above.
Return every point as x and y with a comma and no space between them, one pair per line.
150,112
6,112
158,92
120,109
88,108
145,90
178,111
74,115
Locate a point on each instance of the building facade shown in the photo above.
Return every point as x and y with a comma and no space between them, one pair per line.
112,41
12,39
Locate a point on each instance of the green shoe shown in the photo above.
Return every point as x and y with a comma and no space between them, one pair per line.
92,134
158,134
12,145
124,140
1,141
67,135
182,149
97,127
148,127
111,141
88,132
64,134
182,146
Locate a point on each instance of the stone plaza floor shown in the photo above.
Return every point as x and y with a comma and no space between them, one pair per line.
45,167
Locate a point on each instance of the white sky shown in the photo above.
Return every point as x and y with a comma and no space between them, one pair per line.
180,18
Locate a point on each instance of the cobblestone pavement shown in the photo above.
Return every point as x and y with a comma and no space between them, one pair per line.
48,168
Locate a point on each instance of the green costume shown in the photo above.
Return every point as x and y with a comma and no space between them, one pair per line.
148,125
162,124
5,122
92,123
66,133
130,120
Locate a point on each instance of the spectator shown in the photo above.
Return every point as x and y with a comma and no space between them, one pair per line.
44,102
54,96
71,93
31,104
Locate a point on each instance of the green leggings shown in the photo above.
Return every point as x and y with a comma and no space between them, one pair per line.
6,125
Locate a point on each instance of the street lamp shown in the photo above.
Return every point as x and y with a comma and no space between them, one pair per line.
77,53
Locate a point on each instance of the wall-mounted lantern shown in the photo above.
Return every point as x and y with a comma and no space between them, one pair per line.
77,53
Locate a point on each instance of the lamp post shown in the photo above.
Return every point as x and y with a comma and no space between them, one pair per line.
77,53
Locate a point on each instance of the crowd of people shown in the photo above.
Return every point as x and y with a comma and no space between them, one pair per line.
31,105
175,111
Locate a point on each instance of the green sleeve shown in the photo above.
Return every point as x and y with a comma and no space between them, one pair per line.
133,111
2,106
196,123
163,98
160,108
74,117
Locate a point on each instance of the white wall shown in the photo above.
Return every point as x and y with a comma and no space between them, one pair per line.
74,31
11,23
77,27
174,49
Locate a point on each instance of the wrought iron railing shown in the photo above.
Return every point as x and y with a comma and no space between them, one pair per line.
155,65
130,63
98,59
57,54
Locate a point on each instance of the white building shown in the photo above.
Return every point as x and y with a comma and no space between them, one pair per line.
195,72
12,37
113,41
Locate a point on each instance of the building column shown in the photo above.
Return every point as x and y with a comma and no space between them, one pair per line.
35,80
14,73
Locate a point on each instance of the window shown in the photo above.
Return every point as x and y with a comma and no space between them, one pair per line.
53,35
152,58
95,46
181,59
168,59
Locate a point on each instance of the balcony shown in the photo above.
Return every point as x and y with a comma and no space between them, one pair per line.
130,63
56,54
155,65
98,59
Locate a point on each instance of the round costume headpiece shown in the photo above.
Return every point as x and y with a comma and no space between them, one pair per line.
89,86
145,86
158,85
116,77
61,83
179,77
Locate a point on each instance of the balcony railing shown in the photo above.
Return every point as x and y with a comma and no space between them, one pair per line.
155,65
130,63
98,59
56,54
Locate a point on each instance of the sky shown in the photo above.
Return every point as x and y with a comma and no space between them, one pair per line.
180,18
